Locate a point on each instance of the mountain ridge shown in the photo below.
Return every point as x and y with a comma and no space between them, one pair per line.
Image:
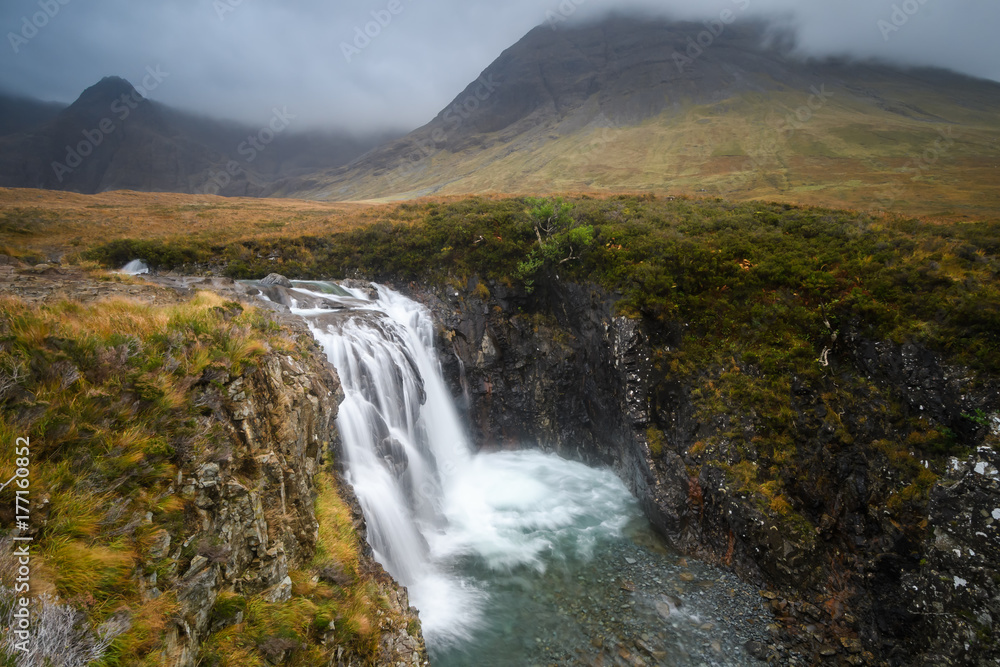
616,105
113,138
609,107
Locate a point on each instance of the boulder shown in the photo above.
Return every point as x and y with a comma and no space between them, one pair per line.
277,279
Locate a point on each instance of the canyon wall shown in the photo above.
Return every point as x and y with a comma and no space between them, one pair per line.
847,579
258,501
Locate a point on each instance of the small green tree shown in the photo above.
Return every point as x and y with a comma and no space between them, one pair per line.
560,238
549,217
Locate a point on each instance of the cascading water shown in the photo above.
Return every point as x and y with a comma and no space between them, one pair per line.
512,557
136,267
404,445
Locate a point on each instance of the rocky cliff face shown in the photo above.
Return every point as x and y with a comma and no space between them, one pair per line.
255,501
255,517
953,597
234,539
849,579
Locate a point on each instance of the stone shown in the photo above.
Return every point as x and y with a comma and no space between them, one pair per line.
276,279
202,500
392,452
208,474
198,563
160,544
282,592
811,610
756,649
851,644
642,645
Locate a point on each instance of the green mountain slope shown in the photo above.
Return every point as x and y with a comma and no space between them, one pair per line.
618,106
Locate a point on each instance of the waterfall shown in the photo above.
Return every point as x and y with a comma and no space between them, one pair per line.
136,267
439,517
510,557
402,438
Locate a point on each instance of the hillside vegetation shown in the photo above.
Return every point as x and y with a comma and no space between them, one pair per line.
849,153
612,107
763,316
745,276
116,397
42,225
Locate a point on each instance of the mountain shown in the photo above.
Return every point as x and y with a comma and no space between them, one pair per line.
18,114
112,138
637,104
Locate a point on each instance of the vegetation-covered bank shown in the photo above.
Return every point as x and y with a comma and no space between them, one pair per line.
821,367
182,504
748,301
734,271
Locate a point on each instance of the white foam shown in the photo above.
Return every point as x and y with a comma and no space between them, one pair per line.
136,267
507,510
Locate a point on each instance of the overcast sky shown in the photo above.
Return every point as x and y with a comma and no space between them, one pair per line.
241,58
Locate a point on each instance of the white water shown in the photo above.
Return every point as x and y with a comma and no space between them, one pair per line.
431,505
136,267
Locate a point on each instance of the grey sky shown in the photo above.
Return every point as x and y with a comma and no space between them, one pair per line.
241,58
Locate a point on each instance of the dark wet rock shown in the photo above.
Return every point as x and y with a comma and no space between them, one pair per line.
7,260
276,279
811,611
929,387
851,644
953,598
757,649
367,288
559,368
394,455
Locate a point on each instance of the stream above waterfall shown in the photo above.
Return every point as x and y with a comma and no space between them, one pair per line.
511,557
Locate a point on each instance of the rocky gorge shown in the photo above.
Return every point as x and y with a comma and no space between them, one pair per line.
801,396
850,579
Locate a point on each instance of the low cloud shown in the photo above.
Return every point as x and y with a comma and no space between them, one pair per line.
394,64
